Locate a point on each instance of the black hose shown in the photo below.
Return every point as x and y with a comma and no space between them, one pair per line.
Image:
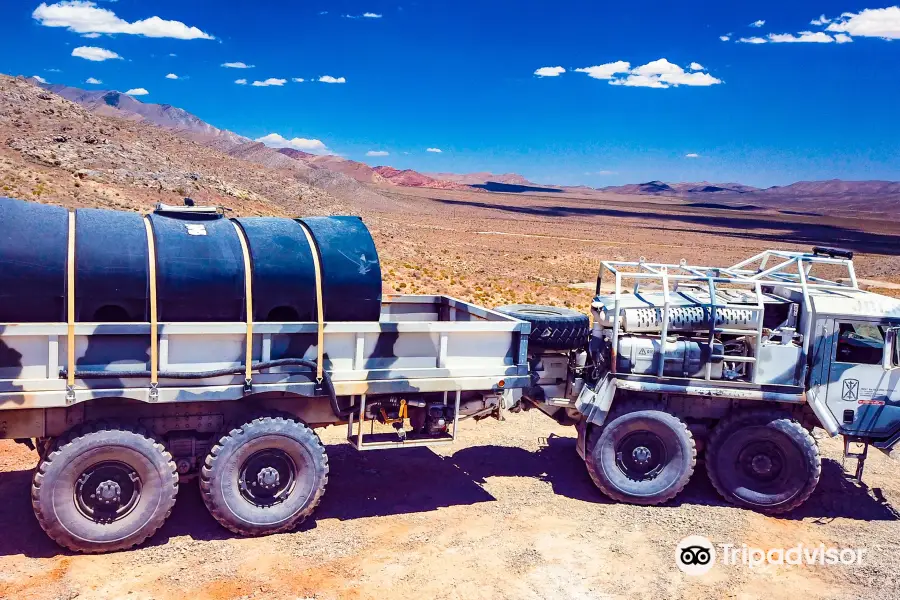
282,362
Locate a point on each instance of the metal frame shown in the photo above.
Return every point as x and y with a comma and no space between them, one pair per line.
357,440
792,271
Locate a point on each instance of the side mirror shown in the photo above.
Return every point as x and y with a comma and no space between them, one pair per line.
890,358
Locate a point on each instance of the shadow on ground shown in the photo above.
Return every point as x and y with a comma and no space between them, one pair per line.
393,482
756,227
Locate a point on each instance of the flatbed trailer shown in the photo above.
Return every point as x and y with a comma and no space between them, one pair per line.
431,360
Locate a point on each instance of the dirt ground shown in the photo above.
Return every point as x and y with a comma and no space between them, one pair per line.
509,512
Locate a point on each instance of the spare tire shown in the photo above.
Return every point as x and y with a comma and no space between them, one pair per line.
552,327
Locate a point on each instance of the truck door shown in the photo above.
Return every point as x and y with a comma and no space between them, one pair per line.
864,379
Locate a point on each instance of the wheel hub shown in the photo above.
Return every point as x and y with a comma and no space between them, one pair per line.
761,464
642,455
268,478
109,492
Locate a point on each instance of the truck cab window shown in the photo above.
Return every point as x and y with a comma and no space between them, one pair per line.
860,343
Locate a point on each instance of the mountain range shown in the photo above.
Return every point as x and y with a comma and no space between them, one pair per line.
338,173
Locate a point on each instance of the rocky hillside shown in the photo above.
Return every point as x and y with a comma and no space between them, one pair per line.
481,178
53,150
117,104
410,178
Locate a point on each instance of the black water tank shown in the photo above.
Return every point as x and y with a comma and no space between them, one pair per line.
33,246
351,273
111,265
199,268
284,278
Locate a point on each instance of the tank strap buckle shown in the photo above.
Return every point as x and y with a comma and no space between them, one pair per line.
248,385
70,394
154,391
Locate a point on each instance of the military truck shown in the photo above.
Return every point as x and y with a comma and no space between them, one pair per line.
140,352
737,364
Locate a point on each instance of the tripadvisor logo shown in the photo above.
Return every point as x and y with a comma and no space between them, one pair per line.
696,555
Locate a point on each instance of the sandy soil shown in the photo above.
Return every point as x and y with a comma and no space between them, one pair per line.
509,512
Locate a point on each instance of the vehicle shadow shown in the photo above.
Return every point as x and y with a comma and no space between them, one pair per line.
394,482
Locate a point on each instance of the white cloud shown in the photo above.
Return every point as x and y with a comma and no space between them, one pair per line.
274,140
171,76
237,65
842,38
437,150
820,21
807,37
752,40
606,71
549,71
137,92
871,22
172,54
241,81
53,70
93,81
725,37
658,74
298,80
692,155
91,36
39,79
86,17
759,23
377,153
666,73
371,15
94,53
330,79
269,81
604,173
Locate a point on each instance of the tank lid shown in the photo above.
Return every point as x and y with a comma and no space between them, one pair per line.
162,209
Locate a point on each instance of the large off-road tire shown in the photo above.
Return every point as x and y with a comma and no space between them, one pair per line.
103,487
642,454
265,476
763,460
552,327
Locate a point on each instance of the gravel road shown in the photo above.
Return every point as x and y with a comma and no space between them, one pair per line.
507,513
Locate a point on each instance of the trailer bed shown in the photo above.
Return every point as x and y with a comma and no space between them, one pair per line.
421,343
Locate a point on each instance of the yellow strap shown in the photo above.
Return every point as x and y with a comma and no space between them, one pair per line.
248,285
70,301
154,325
320,310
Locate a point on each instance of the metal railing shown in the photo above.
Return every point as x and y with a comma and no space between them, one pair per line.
792,271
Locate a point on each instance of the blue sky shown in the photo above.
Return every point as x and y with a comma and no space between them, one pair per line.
459,76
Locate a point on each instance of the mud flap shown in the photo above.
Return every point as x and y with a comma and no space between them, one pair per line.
593,403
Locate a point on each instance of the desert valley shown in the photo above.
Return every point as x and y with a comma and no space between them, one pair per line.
488,238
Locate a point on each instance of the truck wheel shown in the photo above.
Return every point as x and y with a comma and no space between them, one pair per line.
642,455
265,476
102,488
552,327
764,460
